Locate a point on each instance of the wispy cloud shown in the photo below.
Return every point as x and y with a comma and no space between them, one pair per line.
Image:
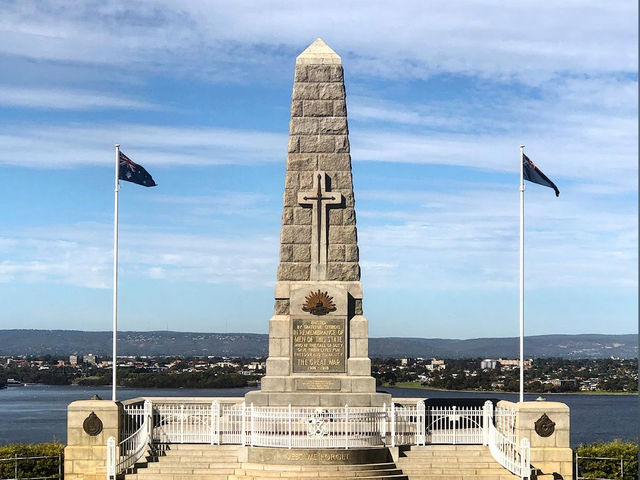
439,240
488,39
470,238
153,145
223,203
67,99
81,255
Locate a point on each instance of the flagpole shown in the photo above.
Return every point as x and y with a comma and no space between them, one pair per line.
521,273
114,363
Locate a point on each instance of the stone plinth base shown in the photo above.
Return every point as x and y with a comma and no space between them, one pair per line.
85,457
323,399
319,456
550,451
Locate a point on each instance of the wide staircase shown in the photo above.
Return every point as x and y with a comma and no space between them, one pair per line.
451,462
221,462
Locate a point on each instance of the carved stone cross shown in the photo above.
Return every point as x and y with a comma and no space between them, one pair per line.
319,199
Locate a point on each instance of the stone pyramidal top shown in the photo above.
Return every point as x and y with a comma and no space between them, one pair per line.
318,53
318,237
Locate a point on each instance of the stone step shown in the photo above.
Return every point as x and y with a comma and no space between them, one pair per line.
319,475
192,452
181,467
447,453
335,474
456,471
446,460
171,470
169,476
200,461
324,468
259,476
203,446
447,446
463,477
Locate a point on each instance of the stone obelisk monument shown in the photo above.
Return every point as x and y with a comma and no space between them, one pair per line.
318,337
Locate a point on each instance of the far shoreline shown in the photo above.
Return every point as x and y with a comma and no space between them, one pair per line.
407,385
418,386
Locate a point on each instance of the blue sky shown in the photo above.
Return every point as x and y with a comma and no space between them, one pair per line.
439,99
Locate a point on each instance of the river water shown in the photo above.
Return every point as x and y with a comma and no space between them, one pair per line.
38,413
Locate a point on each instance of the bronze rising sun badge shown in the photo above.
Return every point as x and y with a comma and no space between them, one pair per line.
318,303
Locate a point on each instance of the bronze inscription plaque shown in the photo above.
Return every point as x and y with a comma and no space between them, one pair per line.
318,345
317,384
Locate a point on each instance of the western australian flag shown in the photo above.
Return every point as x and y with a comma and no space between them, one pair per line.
132,172
532,173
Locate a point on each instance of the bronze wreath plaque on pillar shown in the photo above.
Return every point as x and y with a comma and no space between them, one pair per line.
92,425
544,426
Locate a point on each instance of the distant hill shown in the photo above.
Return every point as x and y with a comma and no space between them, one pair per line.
65,342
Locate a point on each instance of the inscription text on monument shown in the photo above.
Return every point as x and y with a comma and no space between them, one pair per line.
318,345
317,383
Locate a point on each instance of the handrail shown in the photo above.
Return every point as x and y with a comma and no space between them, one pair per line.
504,450
125,454
138,439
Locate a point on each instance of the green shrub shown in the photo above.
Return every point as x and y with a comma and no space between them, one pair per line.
608,468
43,467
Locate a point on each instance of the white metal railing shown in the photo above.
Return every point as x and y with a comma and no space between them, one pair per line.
505,421
168,421
315,427
407,424
289,427
502,444
454,425
136,424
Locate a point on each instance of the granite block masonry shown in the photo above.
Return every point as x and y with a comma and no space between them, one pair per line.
318,337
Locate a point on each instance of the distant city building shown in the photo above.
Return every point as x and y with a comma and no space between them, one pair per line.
511,364
90,358
404,361
224,364
488,364
556,382
436,365
73,359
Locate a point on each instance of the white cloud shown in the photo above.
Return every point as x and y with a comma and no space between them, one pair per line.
82,255
67,99
439,240
526,40
442,240
151,145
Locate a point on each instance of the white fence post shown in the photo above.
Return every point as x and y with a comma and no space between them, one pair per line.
215,422
243,432
420,423
252,425
453,419
393,424
181,423
383,424
487,417
148,419
525,453
346,427
290,427
111,458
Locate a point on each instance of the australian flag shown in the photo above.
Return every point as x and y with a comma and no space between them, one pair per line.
132,172
535,175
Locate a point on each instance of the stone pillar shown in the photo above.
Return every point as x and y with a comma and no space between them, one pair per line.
547,426
90,423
